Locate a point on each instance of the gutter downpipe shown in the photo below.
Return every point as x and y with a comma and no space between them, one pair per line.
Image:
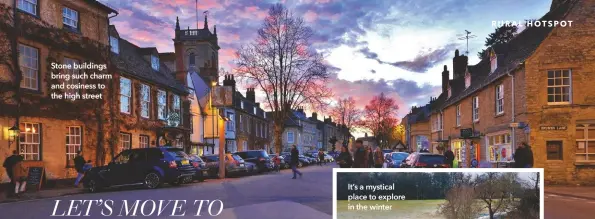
513,136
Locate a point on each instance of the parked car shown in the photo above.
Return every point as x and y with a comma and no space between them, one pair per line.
394,159
202,171
235,165
304,161
328,158
250,168
387,151
259,157
425,160
148,167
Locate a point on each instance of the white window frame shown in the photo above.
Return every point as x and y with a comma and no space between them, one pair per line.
242,104
29,63
177,106
125,97
554,89
125,141
475,108
70,18
292,139
143,141
74,141
162,104
145,101
72,71
30,141
230,126
29,6
155,62
493,61
115,44
499,99
458,114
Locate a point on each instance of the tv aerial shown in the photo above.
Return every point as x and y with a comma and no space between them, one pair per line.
466,37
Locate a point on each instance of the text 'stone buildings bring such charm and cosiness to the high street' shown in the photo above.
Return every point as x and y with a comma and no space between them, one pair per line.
536,89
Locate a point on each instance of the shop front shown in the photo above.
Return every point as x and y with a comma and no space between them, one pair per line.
499,149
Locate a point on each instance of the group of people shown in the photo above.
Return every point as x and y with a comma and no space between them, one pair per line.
363,157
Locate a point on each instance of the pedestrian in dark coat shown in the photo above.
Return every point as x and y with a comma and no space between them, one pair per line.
359,156
450,157
370,157
344,159
521,157
295,159
529,152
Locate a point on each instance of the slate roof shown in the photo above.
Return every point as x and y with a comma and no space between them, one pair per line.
132,63
248,106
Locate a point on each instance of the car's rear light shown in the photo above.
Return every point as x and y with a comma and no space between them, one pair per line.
446,165
172,164
195,164
261,159
421,165
236,162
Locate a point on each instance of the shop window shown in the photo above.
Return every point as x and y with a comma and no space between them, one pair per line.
554,150
585,143
499,148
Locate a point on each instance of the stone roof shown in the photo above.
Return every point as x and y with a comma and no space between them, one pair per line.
248,106
131,62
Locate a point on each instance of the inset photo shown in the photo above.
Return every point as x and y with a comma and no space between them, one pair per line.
438,193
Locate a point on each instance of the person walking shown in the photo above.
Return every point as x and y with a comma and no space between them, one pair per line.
8,164
370,157
81,167
520,157
295,154
529,154
19,172
344,159
359,156
450,157
378,158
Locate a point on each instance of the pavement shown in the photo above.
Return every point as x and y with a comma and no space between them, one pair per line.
272,195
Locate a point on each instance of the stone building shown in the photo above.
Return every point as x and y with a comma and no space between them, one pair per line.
51,130
536,89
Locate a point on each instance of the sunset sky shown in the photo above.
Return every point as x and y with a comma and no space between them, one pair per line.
393,46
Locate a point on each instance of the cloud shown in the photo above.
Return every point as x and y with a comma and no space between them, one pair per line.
425,61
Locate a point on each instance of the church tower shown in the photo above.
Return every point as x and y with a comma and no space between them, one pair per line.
196,50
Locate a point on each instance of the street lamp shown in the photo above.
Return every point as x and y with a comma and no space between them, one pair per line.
13,133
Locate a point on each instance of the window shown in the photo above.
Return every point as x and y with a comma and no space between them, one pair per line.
29,63
254,111
449,92
458,115
230,123
162,105
242,104
467,80
475,106
145,104
115,43
493,61
179,143
554,150
559,87
585,142
499,147
290,137
72,71
191,60
125,141
155,62
241,123
499,99
70,18
29,6
125,95
30,141
177,107
143,141
245,145
73,142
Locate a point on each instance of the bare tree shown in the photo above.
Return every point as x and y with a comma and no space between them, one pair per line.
346,112
380,115
282,63
460,204
494,190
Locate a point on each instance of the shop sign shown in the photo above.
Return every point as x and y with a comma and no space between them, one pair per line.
552,128
466,133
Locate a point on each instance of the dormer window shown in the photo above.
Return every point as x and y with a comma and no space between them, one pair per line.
155,62
242,104
113,41
449,92
493,61
467,80
254,111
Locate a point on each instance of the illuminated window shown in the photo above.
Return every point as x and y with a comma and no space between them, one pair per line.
161,105
143,141
145,104
30,141
125,141
73,141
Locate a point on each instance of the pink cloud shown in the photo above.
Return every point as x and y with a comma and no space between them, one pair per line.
310,16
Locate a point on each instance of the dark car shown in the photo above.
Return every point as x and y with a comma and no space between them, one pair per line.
259,157
304,161
235,165
201,169
148,167
394,159
425,160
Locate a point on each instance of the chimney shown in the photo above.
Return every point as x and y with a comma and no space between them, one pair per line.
315,115
459,65
230,81
250,95
445,78
366,135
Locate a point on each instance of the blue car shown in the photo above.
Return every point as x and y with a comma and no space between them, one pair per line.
394,159
148,167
